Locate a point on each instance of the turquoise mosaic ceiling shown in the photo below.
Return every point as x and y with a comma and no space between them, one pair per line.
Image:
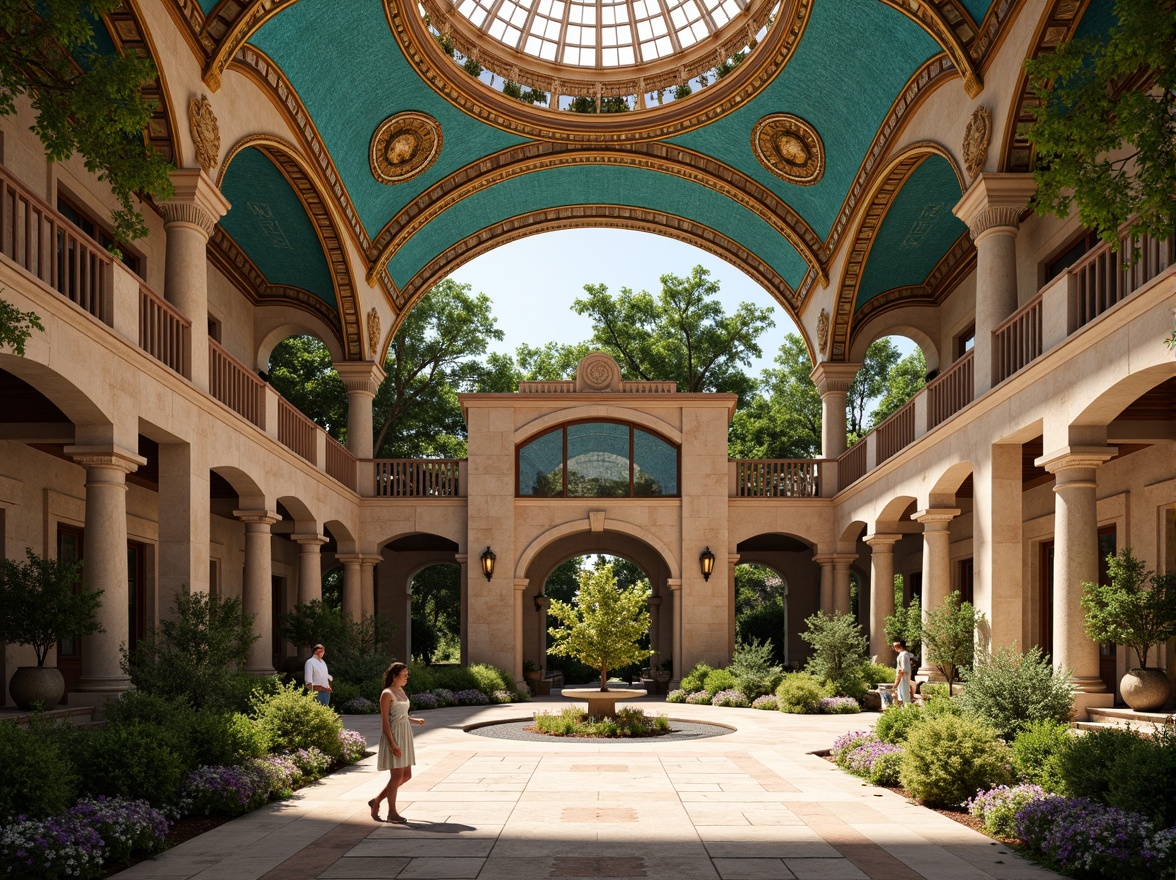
269,223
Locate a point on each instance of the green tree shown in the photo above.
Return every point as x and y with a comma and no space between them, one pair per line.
603,627
85,101
302,371
683,334
311,624
783,420
16,327
436,598
550,362
1137,608
1105,124
840,652
905,379
906,623
872,382
949,636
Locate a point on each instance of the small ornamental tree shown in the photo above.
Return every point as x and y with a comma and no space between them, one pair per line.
40,603
840,652
949,636
1126,611
603,626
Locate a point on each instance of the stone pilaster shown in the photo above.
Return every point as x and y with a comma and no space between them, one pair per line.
833,381
258,587
936,568
362,380
881,591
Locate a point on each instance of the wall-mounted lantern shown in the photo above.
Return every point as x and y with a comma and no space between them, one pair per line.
488,558
706,560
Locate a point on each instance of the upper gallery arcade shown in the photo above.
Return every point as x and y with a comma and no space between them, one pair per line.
863,161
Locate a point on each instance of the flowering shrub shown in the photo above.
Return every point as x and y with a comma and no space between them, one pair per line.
359,706
225,791
839,706
311,763
510,697
423,701
886,768
59,846
698,698
125,826
471,697
731,698
997,807
1078,835
281,773
847,742
445,697
875,761
354,745
676,696
767,701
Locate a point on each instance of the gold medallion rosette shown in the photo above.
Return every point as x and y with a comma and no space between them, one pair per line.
403,146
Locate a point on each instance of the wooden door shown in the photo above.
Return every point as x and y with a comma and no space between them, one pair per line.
70,548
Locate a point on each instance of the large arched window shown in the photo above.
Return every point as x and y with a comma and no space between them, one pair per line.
597,460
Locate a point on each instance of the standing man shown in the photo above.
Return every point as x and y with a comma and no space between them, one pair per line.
317,677
902,674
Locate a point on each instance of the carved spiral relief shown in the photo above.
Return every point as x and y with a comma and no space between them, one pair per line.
404,145
598,372
789,147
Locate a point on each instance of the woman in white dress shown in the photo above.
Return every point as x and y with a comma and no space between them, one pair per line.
396,753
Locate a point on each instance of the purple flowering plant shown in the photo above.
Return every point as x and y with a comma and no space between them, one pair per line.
847,742
125,826
424,700
225,791
677,695
997,807
359,706
699,698
767,701
839,706
312,763
57,847
281,773
731,698
354,745
471,697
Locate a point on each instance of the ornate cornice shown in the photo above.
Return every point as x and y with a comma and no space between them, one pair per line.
294,168
1057,25
948,23
228,26
995,202
750,77
537,156
111,457
131,38
926,79
595,216
189,19
992,30
833,378
196,200
936,518
361,377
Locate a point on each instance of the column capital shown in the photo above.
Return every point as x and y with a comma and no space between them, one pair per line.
310,539
882,541
833,377
359,558
936,518
654,601
675,584
114,457
197,201
361,377
521,584
258,517
1070,458
994,203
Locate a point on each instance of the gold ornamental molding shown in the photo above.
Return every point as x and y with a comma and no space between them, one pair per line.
976,139
948,24
592,216
789,147
205,132
993,29
298,174
474,97
404,146
878,201
538,156
228,26
1057,25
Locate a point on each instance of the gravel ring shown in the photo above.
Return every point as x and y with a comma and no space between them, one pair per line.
680,731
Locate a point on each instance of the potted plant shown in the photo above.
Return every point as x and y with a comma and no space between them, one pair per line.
40,606
1136,609
663,673
531,670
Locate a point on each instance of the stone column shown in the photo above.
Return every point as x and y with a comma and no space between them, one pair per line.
367,583
105,565
826,594
992,209
362,380
462,561
189,219
936,568
258,586
841,563
833,381
542,603
675,585
310,568
1075,559
352,605
655,603
881,591
520,590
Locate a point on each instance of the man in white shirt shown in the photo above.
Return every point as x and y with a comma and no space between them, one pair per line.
318,679
902,674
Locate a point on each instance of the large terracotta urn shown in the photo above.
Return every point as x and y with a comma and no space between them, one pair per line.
37,687
1145,689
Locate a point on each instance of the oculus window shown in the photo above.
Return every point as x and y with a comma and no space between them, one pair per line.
598,460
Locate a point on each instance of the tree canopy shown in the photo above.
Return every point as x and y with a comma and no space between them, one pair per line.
1105,125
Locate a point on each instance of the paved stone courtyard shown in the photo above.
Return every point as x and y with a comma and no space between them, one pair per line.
753,804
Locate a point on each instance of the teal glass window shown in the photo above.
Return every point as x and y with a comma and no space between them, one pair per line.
597,460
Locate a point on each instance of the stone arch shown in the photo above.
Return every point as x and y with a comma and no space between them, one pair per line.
852,532
306,182
270,337
1120,396
893,510
948,24
407,555
596,411
791,556
877,202
869,334
615,527
302,514
76,404
343,534
248,490
949,481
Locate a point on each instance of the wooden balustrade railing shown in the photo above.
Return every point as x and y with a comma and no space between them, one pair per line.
951,391
296,432
897,431
417,477
42,242
341,464
234,385
164,333
1016,342
777,478
851,466
1104,277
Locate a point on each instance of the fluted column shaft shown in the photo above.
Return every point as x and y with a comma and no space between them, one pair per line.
258,586
936,568
105,565
881,592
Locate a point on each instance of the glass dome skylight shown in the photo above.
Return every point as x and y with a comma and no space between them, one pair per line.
599,33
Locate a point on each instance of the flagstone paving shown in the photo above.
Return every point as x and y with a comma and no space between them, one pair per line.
752,805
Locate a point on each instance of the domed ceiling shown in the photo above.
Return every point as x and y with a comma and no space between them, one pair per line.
751,129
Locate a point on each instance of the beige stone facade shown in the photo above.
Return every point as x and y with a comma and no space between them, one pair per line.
124,427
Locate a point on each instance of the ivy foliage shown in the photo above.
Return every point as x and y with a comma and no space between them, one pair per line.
1105,129
85,101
